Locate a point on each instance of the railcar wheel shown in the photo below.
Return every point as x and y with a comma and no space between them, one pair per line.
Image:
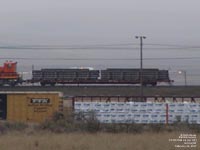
42,83
12,84
154,84
144,84
52,84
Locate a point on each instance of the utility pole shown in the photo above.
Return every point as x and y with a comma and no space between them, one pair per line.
185,75
141,66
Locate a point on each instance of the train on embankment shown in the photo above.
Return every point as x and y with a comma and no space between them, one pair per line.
54,76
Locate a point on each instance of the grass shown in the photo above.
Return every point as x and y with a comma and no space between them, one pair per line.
86,141
66,133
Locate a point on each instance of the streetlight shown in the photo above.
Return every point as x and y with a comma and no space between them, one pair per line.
141,65
185,75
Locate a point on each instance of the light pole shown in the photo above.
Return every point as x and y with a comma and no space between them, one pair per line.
141,65
185,75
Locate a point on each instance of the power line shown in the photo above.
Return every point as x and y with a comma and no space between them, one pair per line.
125,59
101,47
98,48
108,44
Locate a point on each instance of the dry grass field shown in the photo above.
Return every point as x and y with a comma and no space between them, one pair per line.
86,141
67,133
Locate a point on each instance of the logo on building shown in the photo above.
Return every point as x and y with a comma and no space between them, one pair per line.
40,101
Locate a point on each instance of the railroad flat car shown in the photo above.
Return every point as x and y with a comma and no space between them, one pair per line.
64,76
121,75
108,76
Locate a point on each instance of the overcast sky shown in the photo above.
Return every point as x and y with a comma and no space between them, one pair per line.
99,21
82,22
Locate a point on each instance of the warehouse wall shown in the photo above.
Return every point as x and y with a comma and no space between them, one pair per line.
31,106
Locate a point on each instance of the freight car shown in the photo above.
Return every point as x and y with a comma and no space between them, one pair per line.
64,76
9,75
108,76
132,76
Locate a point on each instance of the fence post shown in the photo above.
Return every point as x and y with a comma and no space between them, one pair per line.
167,113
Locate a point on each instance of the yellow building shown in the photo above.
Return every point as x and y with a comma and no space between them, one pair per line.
29,106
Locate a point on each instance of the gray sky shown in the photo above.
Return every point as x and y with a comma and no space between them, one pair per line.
82,22
99,21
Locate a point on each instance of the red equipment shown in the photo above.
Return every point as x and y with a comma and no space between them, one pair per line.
8,73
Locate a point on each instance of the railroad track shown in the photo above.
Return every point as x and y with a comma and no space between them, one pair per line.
110,90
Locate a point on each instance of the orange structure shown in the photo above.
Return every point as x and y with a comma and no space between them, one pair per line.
8,73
